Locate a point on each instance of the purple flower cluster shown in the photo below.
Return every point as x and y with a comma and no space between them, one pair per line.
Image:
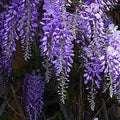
113,56
33,90
91,31
27,24
97,47
94,63
5,59
57,41
9,36
19,22
88,25
103,3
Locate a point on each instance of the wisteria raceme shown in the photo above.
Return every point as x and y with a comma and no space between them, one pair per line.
33,90
19,23
93,37
9,35
28,12
103,3
57,41
113,56
94,67
101,49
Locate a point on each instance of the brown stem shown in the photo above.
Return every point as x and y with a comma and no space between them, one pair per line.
101,108
19,106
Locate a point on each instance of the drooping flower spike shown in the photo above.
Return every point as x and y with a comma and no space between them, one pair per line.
57,41
33,90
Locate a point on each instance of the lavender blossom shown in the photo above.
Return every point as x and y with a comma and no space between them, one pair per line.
9,35
91,35
113,56
19,23
101,51
33,90
28,12
57,41
103,3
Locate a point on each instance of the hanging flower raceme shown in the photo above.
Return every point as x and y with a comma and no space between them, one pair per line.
94,43
20,23
26,26
57,41
9,35
46,43
94,62
33,90
113,57
91,36
102,3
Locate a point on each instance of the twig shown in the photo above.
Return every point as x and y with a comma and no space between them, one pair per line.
100,108
51,118
104,110
13,110
5,102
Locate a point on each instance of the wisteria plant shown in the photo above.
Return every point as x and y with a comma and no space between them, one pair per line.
60,25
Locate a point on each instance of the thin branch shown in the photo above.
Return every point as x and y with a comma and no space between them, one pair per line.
6,100
101,108
14,110
51,118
